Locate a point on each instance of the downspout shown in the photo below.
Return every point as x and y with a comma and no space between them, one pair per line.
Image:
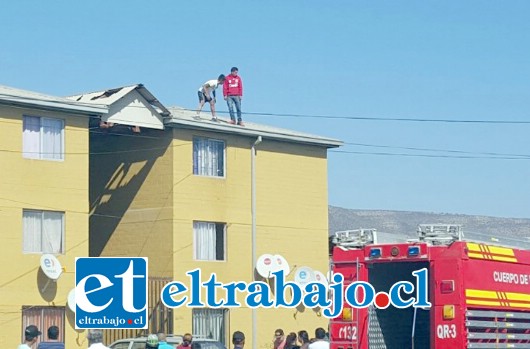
253,233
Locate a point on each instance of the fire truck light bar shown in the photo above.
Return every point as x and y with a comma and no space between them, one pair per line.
375,253
414,251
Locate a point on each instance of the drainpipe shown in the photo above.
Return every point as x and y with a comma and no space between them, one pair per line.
253,209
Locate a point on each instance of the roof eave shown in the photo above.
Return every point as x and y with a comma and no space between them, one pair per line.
324,142
89,110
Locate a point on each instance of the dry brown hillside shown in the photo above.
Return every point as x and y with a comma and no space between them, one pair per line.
405,223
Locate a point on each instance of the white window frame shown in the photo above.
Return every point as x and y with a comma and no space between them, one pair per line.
27,235
213,229
40,155
199,169
211,323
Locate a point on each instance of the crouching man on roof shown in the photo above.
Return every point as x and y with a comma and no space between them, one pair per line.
207,94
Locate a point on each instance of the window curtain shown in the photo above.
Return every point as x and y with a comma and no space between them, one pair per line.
204,240
32,227
208,159
31,137
52,140
210,323
52,232
43,231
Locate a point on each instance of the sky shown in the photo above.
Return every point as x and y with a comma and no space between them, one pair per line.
340,69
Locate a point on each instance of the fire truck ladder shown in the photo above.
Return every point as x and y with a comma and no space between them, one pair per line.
497,329
357,238
440,234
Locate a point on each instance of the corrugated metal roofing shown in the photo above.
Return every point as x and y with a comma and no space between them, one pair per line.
181,117
24,98
110,96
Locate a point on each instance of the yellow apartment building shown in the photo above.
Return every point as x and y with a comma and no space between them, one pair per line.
115,173
260,187
210,195
44,210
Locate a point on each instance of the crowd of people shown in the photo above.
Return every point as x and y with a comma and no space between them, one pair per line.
301,340
293,340
31,334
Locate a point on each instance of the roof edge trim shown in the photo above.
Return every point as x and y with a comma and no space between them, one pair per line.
326,142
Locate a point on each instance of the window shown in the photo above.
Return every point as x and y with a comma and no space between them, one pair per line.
209,241
43,231
210,323
43,318
208,157
43,138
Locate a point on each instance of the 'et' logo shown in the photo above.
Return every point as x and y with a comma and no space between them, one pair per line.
111,293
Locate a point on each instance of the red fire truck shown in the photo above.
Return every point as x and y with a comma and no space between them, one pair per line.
480,293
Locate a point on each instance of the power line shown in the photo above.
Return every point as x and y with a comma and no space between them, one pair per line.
375,118
439,150
365,118
465,154
430,155
471,155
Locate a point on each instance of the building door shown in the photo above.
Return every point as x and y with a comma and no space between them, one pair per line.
43,318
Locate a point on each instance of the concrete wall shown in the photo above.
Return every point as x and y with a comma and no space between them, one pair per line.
131,196
41,185
136,195
291,182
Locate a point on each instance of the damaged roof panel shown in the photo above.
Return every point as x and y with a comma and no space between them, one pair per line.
113,95
129,105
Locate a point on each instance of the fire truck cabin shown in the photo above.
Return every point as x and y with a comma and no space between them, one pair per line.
480,293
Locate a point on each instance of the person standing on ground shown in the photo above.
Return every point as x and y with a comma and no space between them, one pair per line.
30,337
162,341
207,94
186,341
238,339
290,341
233,94
279,339
152,342
303,338
320,340
53,340
95,339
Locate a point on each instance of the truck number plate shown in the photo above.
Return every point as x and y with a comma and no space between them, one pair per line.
348,332
446,331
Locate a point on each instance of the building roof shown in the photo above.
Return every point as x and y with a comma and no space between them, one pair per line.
111,96
99,103
181,117
129,105
22,98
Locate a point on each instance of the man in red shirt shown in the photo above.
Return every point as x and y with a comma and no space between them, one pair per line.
233,94
186,341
